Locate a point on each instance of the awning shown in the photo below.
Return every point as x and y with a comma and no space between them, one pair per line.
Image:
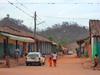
19,38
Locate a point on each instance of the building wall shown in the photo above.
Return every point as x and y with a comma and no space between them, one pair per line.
11,47
96,47
24,47
87,49
1,50
44,47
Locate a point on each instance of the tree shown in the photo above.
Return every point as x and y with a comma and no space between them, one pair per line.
16,23
51,38
65,33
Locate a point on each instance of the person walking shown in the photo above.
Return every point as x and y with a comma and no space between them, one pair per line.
54,57
50,60
17,55
96,60
7,61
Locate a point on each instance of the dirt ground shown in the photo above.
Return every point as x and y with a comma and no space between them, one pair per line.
66,65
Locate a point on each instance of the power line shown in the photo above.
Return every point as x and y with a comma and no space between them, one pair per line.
58,17
23,5
27,8
55,3
25,12
31,12
45,16
20,9
40,22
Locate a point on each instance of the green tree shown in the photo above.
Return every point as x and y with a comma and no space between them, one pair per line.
51,38
62,42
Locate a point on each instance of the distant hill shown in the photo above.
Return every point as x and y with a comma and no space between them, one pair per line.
61,33
65,33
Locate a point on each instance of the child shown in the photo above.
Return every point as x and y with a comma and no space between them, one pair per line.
95,62
50,61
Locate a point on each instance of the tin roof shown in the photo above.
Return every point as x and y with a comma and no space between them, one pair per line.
19,38
16,32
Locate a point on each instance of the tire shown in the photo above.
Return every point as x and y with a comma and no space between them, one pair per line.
27,64
40,64
43,63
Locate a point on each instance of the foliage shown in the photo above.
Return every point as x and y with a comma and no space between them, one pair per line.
51,38
16,23
65,33
62,42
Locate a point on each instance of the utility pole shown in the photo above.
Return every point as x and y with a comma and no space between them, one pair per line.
35,23
90,30
36,44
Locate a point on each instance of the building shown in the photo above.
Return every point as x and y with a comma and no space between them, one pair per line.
85,46
12,37
94,26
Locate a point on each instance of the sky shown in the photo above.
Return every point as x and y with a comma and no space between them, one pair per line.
50,12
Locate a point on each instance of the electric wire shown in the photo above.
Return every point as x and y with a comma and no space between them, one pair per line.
20,9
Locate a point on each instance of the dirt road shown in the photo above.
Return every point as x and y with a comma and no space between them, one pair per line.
66,66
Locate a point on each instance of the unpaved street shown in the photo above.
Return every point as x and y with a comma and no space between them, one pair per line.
66,66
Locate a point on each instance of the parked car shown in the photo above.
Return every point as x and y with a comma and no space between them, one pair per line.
35,58
70,52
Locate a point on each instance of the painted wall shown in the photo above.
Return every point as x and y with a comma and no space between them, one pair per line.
24,47
44,47
96,47
87,50
1,50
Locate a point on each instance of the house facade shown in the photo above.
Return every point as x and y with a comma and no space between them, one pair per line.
9,42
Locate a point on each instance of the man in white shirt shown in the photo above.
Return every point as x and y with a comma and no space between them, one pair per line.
54,57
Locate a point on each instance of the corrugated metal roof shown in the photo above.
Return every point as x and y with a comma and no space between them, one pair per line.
19,38
17,32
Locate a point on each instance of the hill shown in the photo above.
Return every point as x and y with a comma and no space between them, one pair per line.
65,33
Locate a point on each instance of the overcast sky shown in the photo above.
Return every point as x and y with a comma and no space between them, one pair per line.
79,11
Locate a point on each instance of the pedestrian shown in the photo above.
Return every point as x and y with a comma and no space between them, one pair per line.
96,60
50,61
54,57
17,54
7,61
77,52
